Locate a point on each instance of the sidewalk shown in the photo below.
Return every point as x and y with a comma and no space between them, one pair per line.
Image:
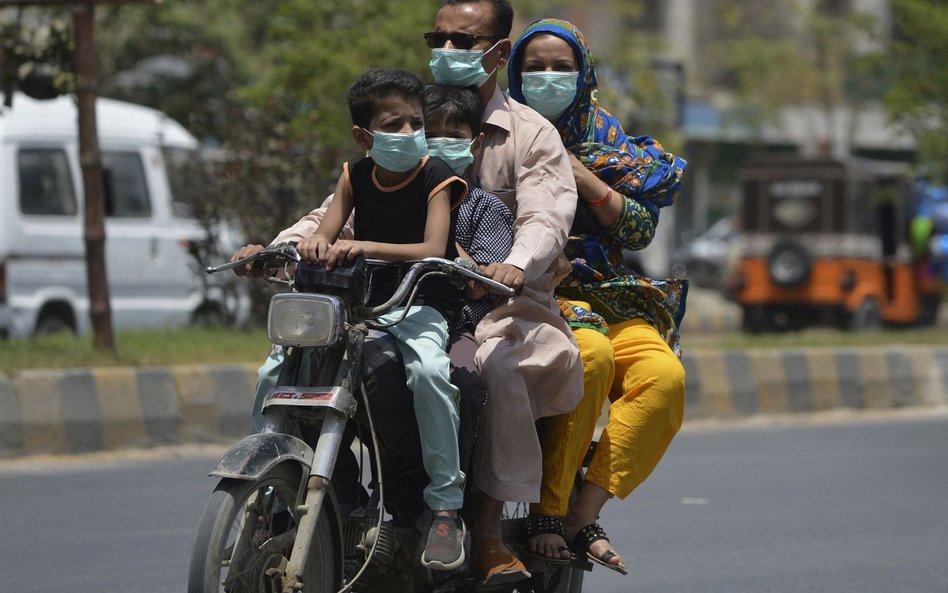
78,411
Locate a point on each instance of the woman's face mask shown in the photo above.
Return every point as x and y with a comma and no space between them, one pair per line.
456,152
549,93
398,152
459,67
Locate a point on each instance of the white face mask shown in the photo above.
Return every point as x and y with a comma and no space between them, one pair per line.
549,93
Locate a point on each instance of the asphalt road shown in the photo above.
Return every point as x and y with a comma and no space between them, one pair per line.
839,505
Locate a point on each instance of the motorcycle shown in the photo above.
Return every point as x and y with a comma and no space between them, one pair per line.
274,523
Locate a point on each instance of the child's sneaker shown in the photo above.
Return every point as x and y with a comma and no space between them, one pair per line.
444,546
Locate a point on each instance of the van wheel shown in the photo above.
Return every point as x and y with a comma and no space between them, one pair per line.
52,323
867,317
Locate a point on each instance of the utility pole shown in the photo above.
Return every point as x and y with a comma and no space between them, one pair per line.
90,159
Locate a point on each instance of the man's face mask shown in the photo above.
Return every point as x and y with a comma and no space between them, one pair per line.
459,67
549,93
398,152
456,152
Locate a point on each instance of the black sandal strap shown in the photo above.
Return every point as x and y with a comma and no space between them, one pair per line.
588,535
544,524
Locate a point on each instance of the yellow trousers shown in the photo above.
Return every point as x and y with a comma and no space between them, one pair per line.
645,383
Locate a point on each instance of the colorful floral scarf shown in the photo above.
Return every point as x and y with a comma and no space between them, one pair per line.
641,171
638,168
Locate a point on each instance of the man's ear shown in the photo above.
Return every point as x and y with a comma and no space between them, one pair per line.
362,138
503,53
477,144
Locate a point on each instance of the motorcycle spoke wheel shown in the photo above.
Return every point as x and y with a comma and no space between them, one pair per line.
248,528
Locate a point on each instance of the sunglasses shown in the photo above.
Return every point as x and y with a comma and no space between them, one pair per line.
436,39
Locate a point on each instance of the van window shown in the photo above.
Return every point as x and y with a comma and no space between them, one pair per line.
126,192
45,182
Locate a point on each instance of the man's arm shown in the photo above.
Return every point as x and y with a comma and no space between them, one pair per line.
546,203
306,226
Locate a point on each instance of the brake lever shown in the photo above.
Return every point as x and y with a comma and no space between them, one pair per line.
284,250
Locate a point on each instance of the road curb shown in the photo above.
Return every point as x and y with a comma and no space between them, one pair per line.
78,411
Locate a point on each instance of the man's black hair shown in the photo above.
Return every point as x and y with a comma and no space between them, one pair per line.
453,105
501,11
377,84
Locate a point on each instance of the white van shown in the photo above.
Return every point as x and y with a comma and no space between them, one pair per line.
153,280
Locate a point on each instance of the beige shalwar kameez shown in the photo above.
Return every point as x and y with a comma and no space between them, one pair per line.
527,357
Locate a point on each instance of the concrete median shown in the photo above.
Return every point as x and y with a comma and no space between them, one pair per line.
77,411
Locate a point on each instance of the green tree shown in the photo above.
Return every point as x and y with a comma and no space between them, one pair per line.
803,54
918,97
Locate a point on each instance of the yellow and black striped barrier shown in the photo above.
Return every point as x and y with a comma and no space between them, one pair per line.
77,411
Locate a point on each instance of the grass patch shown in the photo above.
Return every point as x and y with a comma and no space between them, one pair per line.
197,345
193,345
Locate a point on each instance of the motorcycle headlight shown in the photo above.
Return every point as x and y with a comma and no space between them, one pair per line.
305,320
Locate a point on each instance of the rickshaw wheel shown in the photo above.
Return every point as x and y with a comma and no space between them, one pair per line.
867,317
754,319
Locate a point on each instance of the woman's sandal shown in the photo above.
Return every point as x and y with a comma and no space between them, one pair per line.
546,525
586,537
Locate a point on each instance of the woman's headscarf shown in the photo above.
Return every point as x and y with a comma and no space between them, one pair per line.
639,167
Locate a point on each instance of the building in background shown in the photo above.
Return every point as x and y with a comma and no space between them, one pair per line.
719,122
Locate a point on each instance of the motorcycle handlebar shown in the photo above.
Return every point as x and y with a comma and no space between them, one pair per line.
283,253
439,265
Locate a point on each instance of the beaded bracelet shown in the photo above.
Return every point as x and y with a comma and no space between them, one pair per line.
604,200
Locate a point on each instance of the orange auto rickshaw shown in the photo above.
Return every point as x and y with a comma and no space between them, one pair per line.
826,242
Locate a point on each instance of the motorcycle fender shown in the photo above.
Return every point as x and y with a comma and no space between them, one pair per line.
253,455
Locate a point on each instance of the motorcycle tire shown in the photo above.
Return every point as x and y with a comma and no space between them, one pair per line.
213,568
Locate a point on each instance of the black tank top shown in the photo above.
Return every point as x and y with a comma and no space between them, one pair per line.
398,214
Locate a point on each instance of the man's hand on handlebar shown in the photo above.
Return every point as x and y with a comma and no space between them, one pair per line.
248,269
507,274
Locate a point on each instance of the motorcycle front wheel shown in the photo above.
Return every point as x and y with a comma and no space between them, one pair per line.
248,528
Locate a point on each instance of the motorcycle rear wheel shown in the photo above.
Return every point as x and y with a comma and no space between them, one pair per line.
269,502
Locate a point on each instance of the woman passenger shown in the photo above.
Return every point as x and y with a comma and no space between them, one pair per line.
626,324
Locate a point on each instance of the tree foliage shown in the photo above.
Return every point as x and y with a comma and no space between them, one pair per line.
918,97
35,57
798,54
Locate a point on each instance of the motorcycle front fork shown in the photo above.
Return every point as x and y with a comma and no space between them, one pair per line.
324,460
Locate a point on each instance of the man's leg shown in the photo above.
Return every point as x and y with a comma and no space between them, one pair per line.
473,393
